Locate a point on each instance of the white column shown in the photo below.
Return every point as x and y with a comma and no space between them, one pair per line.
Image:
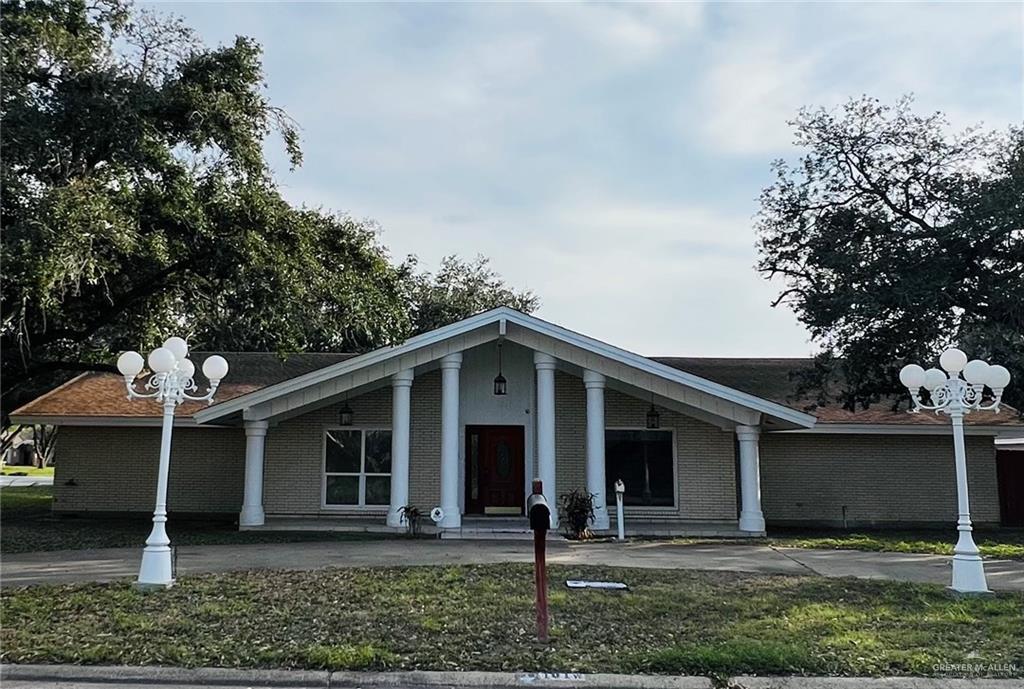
545,366
401,385
751,517
252,503
450,366
594,382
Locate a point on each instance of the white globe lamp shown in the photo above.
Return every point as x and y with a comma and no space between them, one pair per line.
161,360
953,360
934,378
178,347
215,367
186,369
130,364
976,372
998,377
912,376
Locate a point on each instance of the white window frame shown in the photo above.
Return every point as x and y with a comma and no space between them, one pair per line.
674,508
362,473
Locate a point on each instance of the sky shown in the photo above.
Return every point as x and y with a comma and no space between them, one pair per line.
606,156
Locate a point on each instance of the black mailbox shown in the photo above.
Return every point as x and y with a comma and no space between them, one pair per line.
539,512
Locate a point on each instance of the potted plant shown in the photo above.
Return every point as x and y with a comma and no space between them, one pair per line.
412,516
576,509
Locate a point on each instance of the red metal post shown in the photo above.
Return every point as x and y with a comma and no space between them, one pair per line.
540,574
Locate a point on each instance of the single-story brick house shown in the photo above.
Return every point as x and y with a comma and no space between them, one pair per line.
341,440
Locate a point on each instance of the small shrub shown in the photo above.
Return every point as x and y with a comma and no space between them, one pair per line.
576,509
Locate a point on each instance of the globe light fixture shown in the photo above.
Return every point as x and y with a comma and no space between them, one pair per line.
130,364
953,360
170,382
934,378
215,367
956,397
162,360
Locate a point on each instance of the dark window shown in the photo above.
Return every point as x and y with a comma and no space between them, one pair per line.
357,465
643,460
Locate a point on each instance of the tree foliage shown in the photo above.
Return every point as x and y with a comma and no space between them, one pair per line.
137,202
896,239
459,289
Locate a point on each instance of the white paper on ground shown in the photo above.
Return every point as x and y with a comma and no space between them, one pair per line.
578,584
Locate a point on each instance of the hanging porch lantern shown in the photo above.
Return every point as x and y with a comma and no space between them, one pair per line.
500,384
653,417
345,414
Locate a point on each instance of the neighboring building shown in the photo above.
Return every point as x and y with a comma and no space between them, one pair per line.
703,445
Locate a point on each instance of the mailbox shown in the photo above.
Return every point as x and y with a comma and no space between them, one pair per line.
539,512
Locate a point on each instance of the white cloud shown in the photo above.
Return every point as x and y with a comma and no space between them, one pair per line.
607,156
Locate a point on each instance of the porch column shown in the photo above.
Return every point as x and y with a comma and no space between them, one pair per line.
594,382
751,517
545,366
450,366
401,384
252,502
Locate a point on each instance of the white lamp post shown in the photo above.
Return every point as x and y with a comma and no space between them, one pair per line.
956,396
170,382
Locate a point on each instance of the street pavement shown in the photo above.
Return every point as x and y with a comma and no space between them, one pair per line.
111,564
121,677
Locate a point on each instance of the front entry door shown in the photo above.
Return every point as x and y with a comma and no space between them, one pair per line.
494,470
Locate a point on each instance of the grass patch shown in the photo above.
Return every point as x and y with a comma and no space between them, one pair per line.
482,617
26,471
29,526
1007,543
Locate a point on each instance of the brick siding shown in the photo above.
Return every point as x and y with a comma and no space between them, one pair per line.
881,479
115,469
294,454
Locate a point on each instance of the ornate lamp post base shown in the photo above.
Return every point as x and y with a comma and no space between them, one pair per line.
156,571
969,575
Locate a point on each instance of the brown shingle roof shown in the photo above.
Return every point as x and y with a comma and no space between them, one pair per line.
773,379
103,394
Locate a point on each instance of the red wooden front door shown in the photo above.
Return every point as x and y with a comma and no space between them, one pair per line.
495,470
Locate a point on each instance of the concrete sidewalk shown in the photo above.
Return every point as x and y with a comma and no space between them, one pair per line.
119,563
25,481
79,677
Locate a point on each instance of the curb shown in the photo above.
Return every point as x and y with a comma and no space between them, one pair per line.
228,677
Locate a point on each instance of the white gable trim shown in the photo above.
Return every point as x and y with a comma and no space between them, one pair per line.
462,335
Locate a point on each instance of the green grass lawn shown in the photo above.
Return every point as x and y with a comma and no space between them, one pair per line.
481,617
29,525
26,471
996,543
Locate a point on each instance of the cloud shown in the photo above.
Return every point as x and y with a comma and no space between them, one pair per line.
608,156
771,60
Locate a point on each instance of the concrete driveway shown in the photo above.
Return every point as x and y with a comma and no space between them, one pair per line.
118,563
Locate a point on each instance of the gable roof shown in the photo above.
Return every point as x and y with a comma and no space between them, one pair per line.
502,317
98,397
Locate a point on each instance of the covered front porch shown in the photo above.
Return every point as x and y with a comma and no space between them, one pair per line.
420,425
